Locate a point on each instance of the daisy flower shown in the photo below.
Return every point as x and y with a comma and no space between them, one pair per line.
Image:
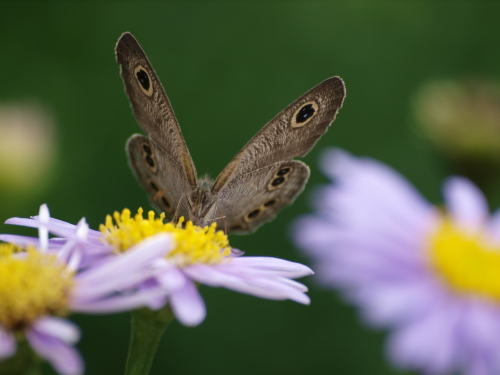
42,284
430,274
199,256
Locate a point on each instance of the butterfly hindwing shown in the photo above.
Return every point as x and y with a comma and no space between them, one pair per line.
158,174
260,195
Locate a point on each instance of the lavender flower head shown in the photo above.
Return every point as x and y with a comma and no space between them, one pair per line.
47,281
431,275
198,255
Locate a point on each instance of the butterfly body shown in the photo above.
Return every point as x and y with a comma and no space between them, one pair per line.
260,180
202,202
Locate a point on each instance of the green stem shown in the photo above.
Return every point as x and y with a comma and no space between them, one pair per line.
148,327
23,362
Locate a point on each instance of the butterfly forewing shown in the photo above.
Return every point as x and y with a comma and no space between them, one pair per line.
151,106
292,133
260,180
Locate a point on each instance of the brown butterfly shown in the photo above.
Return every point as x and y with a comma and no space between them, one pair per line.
260,180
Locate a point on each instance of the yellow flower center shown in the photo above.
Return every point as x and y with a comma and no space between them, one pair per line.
193,244
32,285
467,262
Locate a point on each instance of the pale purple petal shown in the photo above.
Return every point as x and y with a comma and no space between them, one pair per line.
57,227
494,227
43,232
265,287
466,203
92,291
371,178
369,238
187,304
392,304
273,266
21,241
7,344
479,332
314,233
114,273
59,328
153,298
64,358
171,278
428,343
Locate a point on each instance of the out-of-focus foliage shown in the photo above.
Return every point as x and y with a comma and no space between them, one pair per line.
228,68
27,148
461,118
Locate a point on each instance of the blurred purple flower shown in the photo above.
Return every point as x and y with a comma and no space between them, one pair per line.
431,275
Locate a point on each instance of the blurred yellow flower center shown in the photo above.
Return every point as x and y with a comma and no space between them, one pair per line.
32,285
467,262
193,244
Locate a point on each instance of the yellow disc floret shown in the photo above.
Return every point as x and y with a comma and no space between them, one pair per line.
469,263
32,285
193,244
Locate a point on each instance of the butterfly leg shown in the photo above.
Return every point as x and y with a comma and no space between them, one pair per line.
218,218
175,218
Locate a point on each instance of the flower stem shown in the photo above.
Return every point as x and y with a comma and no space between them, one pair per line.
148,327
23,362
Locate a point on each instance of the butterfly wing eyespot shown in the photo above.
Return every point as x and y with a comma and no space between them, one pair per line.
143,79
304,114
237,228
280,178
283,171
248,201
146,148
152,185
290,134
166,203
161,181
155,115
270,203
149,158
252,215
162,201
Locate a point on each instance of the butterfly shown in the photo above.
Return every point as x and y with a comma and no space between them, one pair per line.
261,179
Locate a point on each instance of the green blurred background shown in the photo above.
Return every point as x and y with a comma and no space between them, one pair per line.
228,68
